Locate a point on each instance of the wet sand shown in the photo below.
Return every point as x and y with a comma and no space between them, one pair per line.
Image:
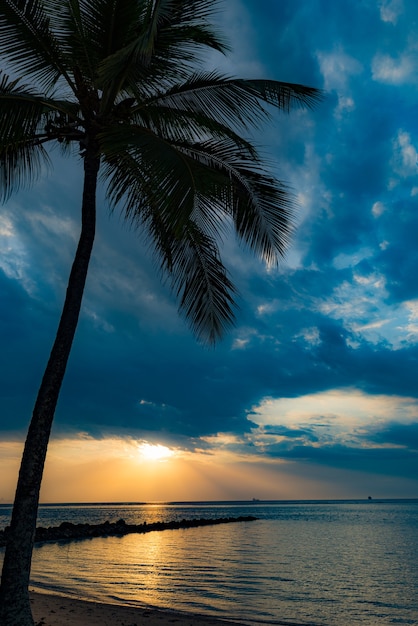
51,610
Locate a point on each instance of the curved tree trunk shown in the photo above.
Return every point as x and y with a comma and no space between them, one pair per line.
14,597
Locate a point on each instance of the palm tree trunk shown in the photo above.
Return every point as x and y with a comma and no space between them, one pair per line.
14,597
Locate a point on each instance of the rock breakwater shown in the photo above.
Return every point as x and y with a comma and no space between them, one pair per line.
67,531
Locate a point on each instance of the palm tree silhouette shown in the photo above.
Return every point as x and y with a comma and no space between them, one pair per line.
115,83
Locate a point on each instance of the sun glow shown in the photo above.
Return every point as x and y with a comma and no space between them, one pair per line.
154,452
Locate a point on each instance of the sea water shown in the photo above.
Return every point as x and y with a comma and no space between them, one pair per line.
307,563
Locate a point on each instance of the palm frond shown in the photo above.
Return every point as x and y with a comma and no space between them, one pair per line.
98,29
191,12
26,122
234,102
167,175
206,181
264,214
180,126
21,166
28,43
25,113
173,24
165,43
201,283
71,25
186,254
261,207
197,196
284,96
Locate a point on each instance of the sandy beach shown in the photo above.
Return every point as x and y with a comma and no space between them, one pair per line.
51,610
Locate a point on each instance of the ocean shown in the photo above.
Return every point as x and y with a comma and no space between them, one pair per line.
316,563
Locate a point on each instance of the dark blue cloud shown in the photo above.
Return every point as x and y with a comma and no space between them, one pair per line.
405,435
395,462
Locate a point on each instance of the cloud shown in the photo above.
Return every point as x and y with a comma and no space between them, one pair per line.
344,410
391,10
378,209
329,338
398,434
394,70
404,159
342,428
337,67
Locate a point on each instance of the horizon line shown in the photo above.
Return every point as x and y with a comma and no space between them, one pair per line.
253,501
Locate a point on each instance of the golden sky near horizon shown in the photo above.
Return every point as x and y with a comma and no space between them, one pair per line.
125,470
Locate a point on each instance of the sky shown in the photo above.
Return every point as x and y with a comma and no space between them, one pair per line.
313,394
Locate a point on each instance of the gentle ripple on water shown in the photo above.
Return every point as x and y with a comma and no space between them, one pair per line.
328,564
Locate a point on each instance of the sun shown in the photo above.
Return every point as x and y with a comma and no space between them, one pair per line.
154,451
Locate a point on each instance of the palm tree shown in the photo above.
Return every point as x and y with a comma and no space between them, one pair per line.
114,82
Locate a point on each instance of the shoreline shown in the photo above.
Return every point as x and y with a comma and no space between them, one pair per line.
55,610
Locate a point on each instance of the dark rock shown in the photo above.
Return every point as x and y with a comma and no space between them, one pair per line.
68,531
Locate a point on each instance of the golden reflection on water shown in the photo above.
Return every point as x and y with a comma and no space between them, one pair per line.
332,566
157,568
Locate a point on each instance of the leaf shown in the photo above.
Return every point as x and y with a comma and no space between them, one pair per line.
234,102
28,43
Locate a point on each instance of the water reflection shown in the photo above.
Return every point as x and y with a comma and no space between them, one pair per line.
262,570
330,565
